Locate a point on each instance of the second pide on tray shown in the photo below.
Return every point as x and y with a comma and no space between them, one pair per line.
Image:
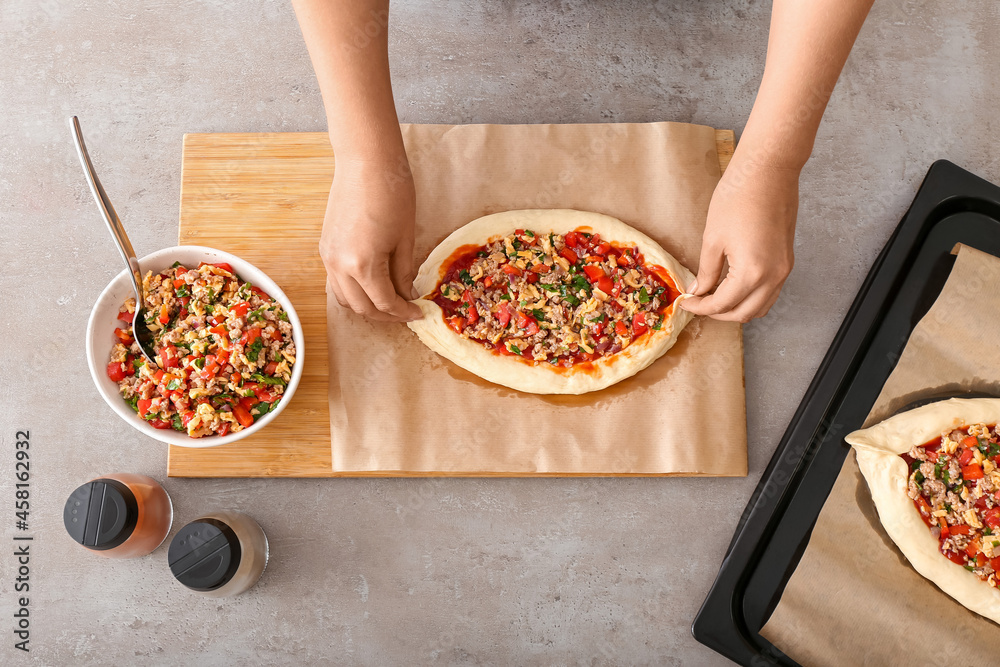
551,301
933,475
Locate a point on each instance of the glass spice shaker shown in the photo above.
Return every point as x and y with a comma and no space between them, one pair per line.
124,515
219,554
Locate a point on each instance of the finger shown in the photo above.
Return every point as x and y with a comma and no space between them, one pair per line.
770,304
747,309
401,270
386,300
358,301
710,265
729,294
337,292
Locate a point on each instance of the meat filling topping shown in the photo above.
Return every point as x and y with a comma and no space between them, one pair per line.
560,299
955,485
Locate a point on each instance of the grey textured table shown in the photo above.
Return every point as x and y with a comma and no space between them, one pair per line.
461,571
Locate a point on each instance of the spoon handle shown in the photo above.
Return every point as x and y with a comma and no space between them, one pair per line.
108,212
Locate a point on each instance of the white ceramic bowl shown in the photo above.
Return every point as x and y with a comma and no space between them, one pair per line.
104,319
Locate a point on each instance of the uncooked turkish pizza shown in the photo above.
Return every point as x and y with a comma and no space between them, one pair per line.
550,301
933,474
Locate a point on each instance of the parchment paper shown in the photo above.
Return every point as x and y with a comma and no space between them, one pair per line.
397,408
854,599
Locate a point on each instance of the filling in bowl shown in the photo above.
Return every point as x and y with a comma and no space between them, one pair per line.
560,299
955,485
224,352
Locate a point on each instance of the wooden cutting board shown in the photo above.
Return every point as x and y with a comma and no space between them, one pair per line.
262,197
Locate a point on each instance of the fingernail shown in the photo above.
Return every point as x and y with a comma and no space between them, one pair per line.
692,287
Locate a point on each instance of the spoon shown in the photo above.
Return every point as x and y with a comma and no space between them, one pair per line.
139,328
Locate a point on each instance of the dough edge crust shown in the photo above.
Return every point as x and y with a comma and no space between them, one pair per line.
878,448
539,379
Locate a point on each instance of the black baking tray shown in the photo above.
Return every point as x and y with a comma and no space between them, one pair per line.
952,206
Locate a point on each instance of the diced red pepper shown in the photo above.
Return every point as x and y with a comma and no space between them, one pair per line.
170,357
541,268
249,336
270,368
222,265
605,285
931,456
116,371
974,471
639,324
594,272
124,337
241,309
602,248
164,317
532,328
178,282
261,293
472,314
981,560
995,564
525,239
531,277
457,323
143,405
966,456
960,529
573,239
624,260
620,328
488,281
158,375
972,548
569,255
945,530
186,417
126,316
523,319
969,442
511,270
504,314
242,416
991,517
249,401
159,423
924,509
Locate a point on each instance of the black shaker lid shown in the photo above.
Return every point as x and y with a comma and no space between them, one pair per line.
101,514
204,554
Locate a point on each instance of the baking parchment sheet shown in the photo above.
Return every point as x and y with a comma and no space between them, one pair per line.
399,409
854,599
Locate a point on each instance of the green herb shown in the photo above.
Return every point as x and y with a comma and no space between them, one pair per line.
530,234
550,288
260,410
507,297
572,300
256,315
209,309
253,351
523,303
916,464
970,568
516,244
554,361
581,283
947,507
466,278
210,294
199,362
182,291
659,323
659,291
274,406
175,383
918,477
996,543
539,315
481,253
177,424
937,470
643,295
946,478
134,403
586,235
283,316
987,531
266,379
552,241
444,290
515,349
175,265
599,318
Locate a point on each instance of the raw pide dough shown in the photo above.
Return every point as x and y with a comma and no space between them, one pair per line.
878,451
539,377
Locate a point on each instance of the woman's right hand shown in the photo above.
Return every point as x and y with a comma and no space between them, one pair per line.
367,240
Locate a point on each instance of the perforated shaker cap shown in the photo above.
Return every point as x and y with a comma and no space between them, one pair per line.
204,554
101,514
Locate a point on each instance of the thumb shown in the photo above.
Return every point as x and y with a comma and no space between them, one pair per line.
709,270
402,270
